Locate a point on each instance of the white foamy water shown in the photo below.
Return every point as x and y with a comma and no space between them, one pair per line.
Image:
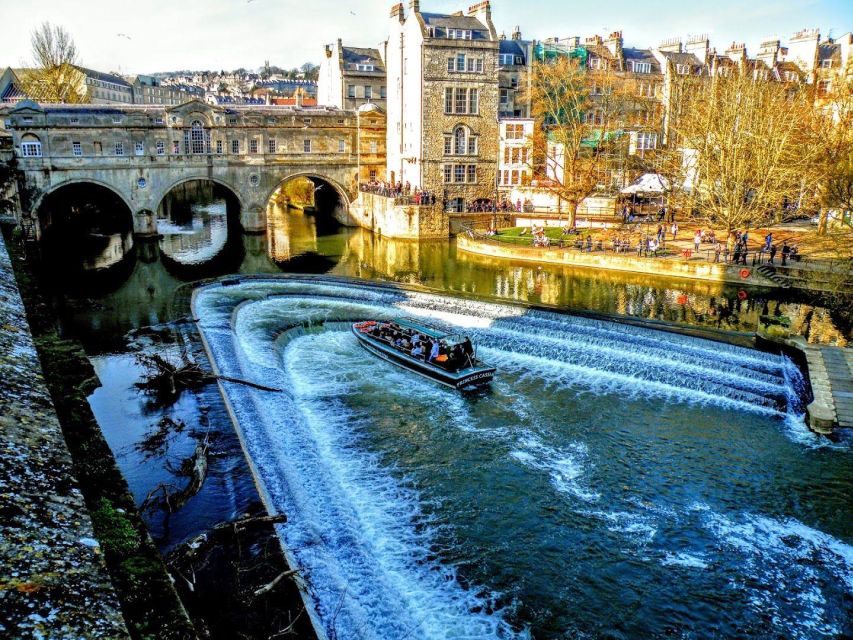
358,528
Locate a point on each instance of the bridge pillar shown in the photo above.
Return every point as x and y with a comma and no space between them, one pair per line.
253,219
145,223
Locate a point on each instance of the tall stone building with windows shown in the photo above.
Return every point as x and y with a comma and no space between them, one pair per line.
442,72
350,77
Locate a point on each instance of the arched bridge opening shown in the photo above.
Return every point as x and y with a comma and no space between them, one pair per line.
198,226
85,226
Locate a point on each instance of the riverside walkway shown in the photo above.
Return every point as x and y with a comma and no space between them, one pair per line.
831,375
53,582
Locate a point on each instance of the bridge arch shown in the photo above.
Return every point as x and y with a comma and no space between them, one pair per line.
81,181
341,211
241,200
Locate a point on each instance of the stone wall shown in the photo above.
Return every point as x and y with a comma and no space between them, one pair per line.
52,576
385,217
695,269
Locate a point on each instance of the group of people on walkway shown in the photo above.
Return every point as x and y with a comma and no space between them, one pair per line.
399,190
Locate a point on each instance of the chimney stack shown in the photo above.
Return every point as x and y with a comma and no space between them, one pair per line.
397,11
415,6
614,43
516,34
482,10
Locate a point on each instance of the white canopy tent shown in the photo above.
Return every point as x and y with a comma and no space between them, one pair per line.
648,184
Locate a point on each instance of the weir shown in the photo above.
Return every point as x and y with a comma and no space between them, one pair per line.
377,445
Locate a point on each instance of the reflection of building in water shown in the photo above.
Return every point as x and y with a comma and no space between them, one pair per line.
289,233
197,239
115,248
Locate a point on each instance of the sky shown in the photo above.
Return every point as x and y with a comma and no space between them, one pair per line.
163,35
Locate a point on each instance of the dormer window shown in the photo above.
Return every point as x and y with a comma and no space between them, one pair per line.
30,146
682,69
641,67
598,64
27,119
460,34
826,64
365,67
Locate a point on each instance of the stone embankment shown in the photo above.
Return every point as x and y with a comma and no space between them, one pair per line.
831,377
693,269
53,581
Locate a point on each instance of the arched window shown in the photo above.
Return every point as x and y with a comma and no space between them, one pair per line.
460,145
30,146
197,137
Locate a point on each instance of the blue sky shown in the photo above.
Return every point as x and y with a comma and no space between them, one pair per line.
207,34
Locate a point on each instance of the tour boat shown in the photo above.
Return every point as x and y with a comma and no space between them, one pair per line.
457,366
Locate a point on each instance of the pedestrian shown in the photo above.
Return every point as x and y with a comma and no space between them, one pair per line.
786,251
768,240
736,256
772,253
674,230
717,250
697,239
743,254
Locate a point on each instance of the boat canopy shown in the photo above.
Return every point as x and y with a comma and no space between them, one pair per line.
431,332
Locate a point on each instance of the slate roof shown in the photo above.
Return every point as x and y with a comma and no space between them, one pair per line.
829,51
682,58
444,21
515,47
104,77
640,55
359,55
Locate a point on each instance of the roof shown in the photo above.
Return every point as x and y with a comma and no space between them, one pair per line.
641,55
682,58
358,55
514,47
829,51
444,21
104,77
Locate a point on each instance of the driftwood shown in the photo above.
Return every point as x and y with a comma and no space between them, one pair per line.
269,586
194,546
196,468
166,380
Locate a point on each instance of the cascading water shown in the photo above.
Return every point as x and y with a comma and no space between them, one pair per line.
617,480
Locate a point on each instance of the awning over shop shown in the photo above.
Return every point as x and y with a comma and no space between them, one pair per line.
648,183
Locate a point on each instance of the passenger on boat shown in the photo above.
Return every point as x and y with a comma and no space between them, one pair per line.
433,351
418,350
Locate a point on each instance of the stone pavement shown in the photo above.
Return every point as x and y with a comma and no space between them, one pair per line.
53,581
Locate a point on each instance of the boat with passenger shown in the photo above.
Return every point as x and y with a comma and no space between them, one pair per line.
449,359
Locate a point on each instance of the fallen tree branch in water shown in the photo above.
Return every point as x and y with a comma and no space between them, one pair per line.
196,467
272,583
200,543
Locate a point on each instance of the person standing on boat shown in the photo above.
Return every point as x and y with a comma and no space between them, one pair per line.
433,351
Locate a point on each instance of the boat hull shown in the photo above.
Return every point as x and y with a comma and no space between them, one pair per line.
471,377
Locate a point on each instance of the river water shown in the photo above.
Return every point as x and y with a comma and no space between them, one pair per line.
616,483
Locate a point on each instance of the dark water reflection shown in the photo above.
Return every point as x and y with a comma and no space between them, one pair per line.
209,245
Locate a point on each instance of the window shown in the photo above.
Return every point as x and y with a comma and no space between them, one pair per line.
219,147
448,172
459,173
374,147
823,88
826,64
197,137
504,97
306,146
646,140
459,141
514,131
235,146
474,105
31,147
365,67
472,145
448,145
139,148
448,100
232,120
271,145
475,65
350,91
506,59
77,149
646,89
119,148
598,64
161,148
472,173
372,175
342,145
461,100
460,34
176,147
368,92
253,145
791,76
682,69
382,93
641,67
158,120
451,65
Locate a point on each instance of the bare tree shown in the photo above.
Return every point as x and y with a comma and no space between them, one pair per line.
746,146
834,125
54,77
578,135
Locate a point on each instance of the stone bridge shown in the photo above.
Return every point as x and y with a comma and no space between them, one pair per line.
141,153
